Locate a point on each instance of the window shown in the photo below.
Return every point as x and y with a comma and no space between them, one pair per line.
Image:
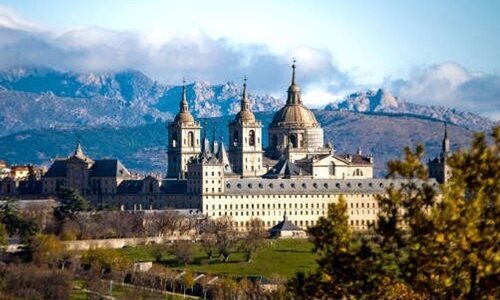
190,139
251,138
236,138
174,139
293,140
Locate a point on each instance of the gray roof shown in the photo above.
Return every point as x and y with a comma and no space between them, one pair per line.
286,169
284,225
57,169
174,186
108,168
130,187
356,159
257,186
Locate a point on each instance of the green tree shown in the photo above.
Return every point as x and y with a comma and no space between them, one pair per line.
46,249
425,244
70,203
253,238
187,281
14,223
4,235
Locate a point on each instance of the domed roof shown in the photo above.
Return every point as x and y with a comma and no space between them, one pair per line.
184,115
245,116
296,115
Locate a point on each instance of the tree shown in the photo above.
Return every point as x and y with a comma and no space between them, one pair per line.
187,281
70,203
225,237
253,238
208,238
15,223
183,251
46,249
4,235
424,245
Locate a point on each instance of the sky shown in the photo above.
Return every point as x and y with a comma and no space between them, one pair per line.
432,52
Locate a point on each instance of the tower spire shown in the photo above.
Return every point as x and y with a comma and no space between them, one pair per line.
245,104
184,104
293,90
446,142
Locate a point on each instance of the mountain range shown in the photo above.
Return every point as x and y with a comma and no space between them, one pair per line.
123,115
45,98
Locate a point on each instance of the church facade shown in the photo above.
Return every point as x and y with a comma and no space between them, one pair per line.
296,175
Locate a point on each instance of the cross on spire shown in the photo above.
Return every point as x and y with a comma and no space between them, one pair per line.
293,70
245,105
184,104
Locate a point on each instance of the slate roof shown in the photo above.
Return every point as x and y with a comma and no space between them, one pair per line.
174,186
130,187
285,225
108,168
286,169
263,186
356,159
57,169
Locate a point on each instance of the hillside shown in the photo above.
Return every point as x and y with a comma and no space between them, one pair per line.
142,148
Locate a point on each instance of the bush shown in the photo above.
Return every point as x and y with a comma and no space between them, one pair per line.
31,282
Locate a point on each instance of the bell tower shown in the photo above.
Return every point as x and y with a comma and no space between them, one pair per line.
183,139
245,140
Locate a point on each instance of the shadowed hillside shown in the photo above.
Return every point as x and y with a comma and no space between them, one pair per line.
142,148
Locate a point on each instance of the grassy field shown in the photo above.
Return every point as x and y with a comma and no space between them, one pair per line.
284,258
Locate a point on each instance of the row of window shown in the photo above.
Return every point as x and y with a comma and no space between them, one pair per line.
304,185
267,213
269,206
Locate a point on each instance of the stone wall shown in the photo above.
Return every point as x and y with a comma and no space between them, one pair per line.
119,243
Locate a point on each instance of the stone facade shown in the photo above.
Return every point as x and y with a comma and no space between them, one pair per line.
297,174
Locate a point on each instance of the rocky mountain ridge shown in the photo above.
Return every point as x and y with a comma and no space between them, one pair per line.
382,101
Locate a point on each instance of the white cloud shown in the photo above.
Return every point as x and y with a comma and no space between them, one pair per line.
452,85
167,58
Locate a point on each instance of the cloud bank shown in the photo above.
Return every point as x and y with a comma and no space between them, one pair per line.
450,84
196,56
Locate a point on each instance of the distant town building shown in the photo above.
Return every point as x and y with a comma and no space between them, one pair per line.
4,169
296,174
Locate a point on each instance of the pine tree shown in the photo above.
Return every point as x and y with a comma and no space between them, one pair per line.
426,244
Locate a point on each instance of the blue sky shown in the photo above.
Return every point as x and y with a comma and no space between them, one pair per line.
340,45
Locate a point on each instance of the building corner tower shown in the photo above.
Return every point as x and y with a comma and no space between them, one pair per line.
183,140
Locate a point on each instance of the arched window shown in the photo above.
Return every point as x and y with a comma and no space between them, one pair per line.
332,168
251,138
293,140
174,139
190,139
236,138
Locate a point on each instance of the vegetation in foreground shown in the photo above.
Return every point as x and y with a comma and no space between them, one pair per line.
423,246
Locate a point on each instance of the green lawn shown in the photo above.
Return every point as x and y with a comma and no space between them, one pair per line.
284,258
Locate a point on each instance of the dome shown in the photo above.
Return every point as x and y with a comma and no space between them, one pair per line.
296,115
245,116
184,117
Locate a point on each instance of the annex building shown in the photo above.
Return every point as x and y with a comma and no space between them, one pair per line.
296,175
